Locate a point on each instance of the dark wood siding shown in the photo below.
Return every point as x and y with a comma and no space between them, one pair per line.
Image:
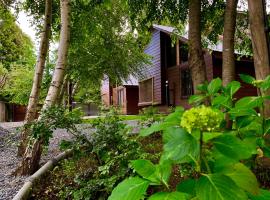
243,66
18,113
132,98
154,70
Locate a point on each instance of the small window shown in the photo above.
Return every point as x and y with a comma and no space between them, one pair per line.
120,97
183,52
186,83
146,91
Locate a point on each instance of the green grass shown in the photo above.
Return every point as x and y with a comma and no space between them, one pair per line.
122,117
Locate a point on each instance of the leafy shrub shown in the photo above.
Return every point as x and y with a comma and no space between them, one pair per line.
52,118
113,147
221,158
149,116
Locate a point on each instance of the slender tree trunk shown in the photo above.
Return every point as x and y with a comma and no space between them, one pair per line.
60,99
31,158
196,58
34,96
228,59
260,43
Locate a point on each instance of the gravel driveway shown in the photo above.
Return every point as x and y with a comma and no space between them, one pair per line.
10,185
9,132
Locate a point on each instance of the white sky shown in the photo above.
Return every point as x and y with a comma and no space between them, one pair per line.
24,22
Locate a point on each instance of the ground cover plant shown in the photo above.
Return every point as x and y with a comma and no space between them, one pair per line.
97,167
220,157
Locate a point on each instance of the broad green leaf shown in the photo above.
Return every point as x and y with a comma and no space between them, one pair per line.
168,196
237,112
202,87
263,195
130,189
266,83
243,177
218,187
249,102
163,171
187,186
181,147
155,128
158,174
146,169
222,162
170,133
221,101
196,99
210,135
247,78
232,147
267,126
175,117
232,88
214,86
243,121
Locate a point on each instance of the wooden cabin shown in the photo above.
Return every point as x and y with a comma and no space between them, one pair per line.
125,96
167,81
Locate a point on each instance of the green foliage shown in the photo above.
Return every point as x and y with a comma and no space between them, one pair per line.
220,162
149,115
171,120
112,148
180,146
103,43
15,46
218,187
202,118
133,188
168,196
18,84
52,118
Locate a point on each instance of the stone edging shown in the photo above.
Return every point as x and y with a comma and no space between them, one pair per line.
26,189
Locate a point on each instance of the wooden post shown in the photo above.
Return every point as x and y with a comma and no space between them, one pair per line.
177,53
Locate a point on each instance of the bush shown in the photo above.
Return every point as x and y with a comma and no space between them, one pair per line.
113,147
220,157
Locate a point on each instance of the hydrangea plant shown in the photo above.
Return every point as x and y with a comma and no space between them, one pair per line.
202,118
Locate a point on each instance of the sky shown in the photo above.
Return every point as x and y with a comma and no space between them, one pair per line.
24,22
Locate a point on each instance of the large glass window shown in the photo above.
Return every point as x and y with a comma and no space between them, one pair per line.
120,97
186,83
146,91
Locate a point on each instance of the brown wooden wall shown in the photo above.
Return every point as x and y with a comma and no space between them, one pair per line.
132,99
154,70
19,112
243,66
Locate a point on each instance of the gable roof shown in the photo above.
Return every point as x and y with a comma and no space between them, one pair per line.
184,38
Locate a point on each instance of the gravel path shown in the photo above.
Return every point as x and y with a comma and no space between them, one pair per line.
10,185
9,132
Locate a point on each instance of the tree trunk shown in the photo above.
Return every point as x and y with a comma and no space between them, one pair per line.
260,43
31,158
228,59
60,100
196,58
34,96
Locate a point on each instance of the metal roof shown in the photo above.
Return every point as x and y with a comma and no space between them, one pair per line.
184,38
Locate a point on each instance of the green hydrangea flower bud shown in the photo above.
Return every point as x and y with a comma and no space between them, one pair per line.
202,118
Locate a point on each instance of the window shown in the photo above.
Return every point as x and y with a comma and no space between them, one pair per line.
146,91
186,83
168,51
120,97
171,55
183,49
